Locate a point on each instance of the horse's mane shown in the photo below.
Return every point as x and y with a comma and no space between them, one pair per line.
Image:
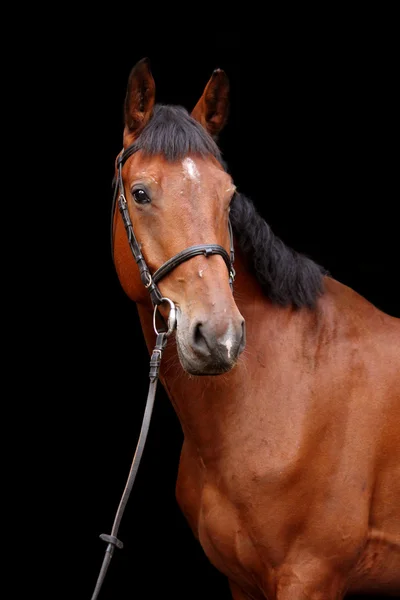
171,131
286,277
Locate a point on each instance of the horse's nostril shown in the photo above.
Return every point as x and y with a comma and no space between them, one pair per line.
198,337
229,343
243,338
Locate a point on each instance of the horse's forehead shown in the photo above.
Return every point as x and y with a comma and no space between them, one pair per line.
190,169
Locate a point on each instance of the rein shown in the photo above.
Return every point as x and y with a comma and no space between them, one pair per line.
150,283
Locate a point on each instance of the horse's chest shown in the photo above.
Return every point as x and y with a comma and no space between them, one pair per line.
224,537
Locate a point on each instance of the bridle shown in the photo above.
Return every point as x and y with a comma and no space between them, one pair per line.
150,283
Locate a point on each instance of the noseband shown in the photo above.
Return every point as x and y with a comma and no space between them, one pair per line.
150,281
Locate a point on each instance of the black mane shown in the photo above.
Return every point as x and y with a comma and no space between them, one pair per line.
286,277
172,132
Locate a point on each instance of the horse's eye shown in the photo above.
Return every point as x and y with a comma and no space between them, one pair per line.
140,196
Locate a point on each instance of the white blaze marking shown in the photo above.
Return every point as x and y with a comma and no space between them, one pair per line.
190,169
229,339
228,345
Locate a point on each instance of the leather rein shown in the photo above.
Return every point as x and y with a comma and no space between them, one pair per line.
150,282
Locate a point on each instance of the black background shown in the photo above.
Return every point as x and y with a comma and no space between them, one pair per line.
311,139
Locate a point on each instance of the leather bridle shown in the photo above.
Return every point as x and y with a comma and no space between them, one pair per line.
150,282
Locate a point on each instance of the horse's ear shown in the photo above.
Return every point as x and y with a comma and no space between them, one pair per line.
139,100
212,108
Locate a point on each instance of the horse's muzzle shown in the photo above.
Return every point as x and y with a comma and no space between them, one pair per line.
211,347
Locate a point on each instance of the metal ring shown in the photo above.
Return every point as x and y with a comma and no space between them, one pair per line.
171,317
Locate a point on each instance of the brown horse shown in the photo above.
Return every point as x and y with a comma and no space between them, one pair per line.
289,474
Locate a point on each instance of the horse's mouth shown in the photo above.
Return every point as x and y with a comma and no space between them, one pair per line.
214,365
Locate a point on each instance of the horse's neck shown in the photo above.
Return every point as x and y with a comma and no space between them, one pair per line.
268,394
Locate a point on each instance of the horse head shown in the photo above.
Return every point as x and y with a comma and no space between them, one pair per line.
178,196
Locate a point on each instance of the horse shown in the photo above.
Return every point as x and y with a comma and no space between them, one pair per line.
286,382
